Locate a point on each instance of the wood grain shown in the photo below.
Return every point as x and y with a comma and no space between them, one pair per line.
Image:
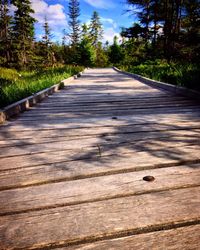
174,239
72,169
98,188
99,219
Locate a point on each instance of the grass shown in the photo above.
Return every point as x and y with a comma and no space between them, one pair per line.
187,75
15,85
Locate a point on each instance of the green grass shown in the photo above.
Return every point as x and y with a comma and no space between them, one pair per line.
15,86
187,75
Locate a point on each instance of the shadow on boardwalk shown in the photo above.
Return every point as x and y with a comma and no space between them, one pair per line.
106,124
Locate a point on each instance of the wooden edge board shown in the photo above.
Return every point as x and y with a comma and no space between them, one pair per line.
164,86
26,103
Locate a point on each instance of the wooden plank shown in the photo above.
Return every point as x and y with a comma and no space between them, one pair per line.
97,188
103,137
110,125
113,102
54,227
34,171
122,110
131,99
78,148
64,107
96,152
173,239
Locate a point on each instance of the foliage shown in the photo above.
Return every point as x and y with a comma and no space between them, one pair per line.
186,74
23,31
173,26
5,32
74,23
18,85
87,53
101,56
116,54
96,30
47,52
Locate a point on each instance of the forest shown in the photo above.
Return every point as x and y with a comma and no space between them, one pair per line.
164,44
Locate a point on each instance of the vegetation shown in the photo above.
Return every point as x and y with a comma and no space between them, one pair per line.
16,85
187,74
164,44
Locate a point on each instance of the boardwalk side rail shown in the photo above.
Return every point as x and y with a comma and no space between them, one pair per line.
24,104
177,90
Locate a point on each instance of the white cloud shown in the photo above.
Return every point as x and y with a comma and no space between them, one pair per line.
109,34
101,4
109,21
55,13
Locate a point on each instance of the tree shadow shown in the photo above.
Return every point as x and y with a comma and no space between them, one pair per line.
91,129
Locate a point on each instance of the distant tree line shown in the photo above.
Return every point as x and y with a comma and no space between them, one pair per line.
166,29
18,47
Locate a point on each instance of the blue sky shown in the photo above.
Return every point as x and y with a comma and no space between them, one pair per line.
111,12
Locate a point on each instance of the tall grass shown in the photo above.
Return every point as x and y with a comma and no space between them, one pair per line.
15,86
187,75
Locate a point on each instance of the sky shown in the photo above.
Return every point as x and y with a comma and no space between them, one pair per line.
112,12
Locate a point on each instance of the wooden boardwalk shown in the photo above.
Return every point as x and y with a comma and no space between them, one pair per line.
72,168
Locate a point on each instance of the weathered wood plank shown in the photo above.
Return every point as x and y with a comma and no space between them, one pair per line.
119,111
75,173
97,188
99,219
103,136
103,103
137,123
97,152
173,239
81,149
34,171
68,108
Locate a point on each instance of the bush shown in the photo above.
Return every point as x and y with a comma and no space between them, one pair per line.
187,75
15,86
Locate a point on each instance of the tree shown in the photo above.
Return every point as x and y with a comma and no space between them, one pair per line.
87,51
143,15
115,55
101,56
46,40
96,30
5,32
74,23
136,31
23,31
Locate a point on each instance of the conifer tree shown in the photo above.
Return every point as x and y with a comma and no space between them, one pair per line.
74,23
23,31
5,32
115,53
96,30
87,51
46,40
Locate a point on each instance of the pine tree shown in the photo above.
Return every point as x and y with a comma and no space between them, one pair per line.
74,23
115,53
23,31
5,32
85,32
87,51
96,30
46,40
